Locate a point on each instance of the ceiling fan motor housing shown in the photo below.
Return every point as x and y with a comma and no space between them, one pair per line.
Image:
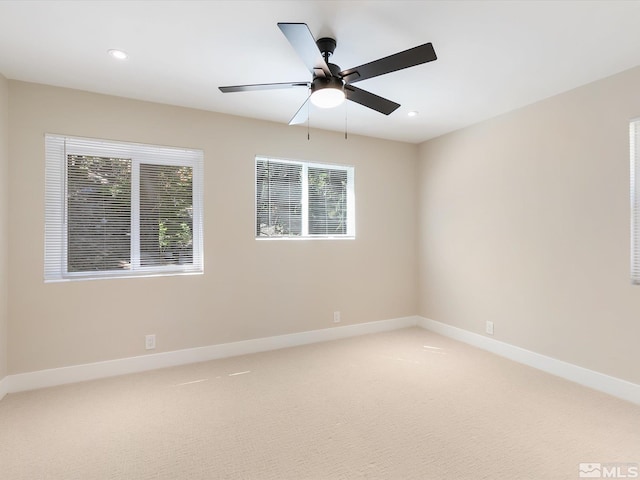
334,81
326,82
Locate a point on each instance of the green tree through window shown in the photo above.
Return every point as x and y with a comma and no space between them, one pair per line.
327,201
117,209
301,199
98,213
278,199
166,220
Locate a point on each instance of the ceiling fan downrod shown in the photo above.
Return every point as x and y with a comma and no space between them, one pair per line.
327,46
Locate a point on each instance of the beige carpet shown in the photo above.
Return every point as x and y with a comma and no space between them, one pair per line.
407,404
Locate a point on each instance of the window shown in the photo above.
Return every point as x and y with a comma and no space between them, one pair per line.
119,209
304,200
634,138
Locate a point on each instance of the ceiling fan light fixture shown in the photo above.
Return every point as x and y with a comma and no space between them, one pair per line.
327,97
327,92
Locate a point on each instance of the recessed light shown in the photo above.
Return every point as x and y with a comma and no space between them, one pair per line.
119,54
413,113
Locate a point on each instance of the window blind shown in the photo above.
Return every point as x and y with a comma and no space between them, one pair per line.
121,209
98,213
296,199
634,141
327,201
278,198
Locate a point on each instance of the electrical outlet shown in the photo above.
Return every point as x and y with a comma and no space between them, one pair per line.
489,327
150,342
336,317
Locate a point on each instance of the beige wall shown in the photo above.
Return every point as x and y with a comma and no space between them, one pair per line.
4,222
251,288
524,221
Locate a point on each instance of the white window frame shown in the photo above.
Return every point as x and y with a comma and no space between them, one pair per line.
57,149
305,235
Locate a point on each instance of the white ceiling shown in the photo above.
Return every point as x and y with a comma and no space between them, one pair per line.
493,56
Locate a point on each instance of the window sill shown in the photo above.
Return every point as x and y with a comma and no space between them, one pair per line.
319,237
76,278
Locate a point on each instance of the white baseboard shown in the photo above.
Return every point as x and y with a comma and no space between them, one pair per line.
78,373
589,378
4,387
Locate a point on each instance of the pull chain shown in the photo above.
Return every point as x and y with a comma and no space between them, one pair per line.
345,120
308,134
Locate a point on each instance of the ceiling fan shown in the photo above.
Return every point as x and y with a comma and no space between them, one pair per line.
330,85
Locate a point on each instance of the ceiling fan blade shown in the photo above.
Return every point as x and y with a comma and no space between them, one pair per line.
302,114
409,58
370,100
304,44
263,86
